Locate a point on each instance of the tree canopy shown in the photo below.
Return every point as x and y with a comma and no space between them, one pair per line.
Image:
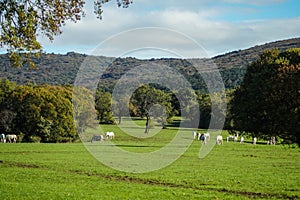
103,106
146,98
268,101
43,113
21,22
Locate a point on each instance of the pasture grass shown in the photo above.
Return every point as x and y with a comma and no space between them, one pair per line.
69,171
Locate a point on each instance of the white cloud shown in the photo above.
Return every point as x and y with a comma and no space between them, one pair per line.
253,2
216,35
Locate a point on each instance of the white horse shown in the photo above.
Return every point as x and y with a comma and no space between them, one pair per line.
2,138
207,136
233,137
272,141
11,138
110,135
242,140
219,139
195,134
254,140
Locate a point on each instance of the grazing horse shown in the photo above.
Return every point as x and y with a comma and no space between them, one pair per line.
195,134
242,140
2,138
207,136
11,138
97,138
110,135
232,137
219,139
203,138
254,140
272,141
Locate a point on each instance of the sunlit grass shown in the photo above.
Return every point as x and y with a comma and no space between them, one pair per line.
230,171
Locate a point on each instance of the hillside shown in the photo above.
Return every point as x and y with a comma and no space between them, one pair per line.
60,69
243,57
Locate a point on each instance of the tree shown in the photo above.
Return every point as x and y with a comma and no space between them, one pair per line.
22,21
121,107
43,112
189,105
205,109
268,101
104,107
7,112
212,111
84,111
145,98
164,111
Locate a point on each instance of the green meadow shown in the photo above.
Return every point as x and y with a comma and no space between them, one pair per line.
229,171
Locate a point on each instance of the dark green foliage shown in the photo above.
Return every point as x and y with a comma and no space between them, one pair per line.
151,102
52,69
268,102
83,109
104,107
38,111
6,107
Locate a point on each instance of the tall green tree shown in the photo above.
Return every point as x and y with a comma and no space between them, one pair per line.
7,112
21,22
145,98
164,111
104,107
188,105
40,111
205,109
212,117
268,101
50,113
121,107
84,111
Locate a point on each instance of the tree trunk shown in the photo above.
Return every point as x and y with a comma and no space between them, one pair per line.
163,124
147,124
120,119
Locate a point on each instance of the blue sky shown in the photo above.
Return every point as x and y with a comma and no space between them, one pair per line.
219,26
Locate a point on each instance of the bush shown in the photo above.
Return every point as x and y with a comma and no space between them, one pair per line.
20,137
35,139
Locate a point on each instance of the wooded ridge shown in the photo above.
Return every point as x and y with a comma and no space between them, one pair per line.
58,69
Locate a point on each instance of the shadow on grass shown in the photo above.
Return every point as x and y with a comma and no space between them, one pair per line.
136,146
181,124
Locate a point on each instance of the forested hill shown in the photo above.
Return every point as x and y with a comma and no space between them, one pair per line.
243,57
57,69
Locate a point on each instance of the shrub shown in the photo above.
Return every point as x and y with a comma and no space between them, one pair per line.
35,139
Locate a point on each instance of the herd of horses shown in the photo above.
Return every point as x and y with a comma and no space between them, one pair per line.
204,137
10,138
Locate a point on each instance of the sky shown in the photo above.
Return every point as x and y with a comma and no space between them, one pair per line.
169,28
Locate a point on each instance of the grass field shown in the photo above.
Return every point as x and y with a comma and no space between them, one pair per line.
69,171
